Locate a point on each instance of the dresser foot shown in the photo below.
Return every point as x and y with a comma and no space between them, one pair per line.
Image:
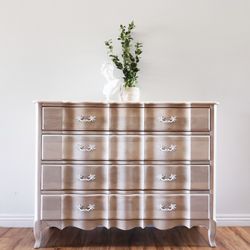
38,230
211,233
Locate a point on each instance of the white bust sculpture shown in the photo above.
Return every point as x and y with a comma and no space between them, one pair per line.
113,85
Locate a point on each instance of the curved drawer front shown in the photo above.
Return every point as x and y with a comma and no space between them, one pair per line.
177,177
125,207
74,147
65,118
183,148
125,177
125,147
74,207
77,177
177,119
126,119
176,206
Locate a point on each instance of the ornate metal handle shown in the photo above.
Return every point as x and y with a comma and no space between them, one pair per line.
90,177
171,177
86,118
169,208
87,148
165,119
89,208
171,148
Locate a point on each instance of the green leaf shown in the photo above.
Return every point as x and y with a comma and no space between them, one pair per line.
130,55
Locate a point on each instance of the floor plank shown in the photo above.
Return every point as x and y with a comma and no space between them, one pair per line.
179,238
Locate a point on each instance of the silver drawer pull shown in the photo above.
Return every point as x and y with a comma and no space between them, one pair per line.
169,208
169,120
87,148
86,118
171,177
171,148
89,208
90,177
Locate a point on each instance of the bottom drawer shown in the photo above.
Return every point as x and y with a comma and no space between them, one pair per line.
176,206
125,207
74,207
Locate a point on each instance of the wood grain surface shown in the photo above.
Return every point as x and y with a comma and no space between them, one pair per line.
229,238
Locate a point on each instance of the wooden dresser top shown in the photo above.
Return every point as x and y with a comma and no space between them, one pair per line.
128,104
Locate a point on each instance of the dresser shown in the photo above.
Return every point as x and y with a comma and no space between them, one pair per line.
125,165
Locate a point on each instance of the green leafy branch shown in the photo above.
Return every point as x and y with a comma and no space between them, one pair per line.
130,57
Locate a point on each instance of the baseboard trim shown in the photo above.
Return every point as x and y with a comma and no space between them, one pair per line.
233,220
16,220
26,220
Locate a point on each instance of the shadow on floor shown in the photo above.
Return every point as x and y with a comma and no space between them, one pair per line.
137,237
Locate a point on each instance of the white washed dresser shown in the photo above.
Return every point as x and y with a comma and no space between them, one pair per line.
125,165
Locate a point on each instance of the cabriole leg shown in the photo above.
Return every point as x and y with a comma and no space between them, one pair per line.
211,233
38,228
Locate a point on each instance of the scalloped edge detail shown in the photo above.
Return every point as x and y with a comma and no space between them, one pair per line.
126,224
210,225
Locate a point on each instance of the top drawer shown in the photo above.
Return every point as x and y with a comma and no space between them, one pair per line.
90,118
177,119
67,118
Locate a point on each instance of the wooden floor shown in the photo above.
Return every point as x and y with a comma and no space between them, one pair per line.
235,238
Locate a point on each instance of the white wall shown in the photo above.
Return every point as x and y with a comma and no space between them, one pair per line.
193,50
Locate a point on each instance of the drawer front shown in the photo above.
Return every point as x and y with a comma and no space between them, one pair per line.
126,119
74,147
183,148
125,177
91,147
125,207
77,177
176,206
177,177
177,119
74,207
65,118
125,147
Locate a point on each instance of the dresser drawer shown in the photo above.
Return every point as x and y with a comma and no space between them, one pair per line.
77,177
74,207
177,177
125,207
74,147
66,118
179,206
183,148
177,119
125,148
